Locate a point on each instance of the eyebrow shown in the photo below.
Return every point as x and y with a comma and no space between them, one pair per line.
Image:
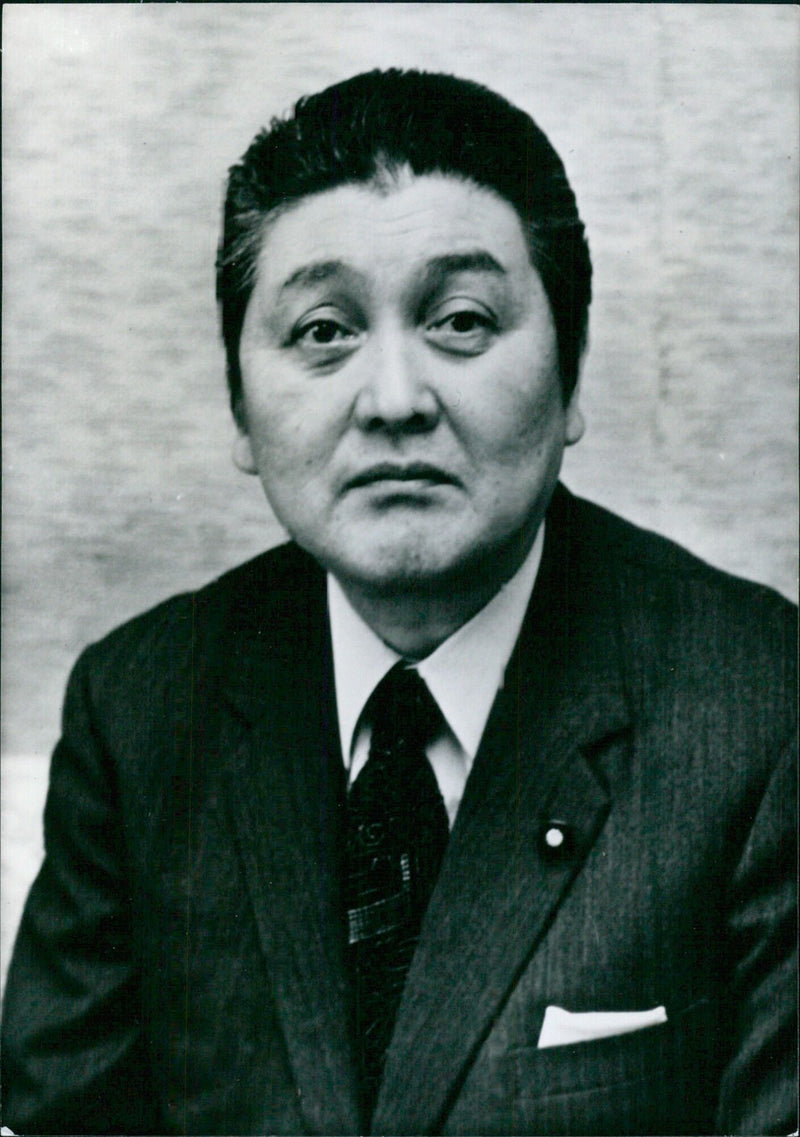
316,273
437,269
477,260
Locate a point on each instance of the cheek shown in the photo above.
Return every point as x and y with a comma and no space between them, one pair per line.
520,423
294,442
279,412
515,399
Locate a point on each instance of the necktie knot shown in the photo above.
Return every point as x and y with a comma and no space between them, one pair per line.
403,713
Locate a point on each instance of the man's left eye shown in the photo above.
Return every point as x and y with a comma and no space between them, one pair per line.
465,322
463,331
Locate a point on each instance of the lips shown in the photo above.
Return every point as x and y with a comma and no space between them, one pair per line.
395,472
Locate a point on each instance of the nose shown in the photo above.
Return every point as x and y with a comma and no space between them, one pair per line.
395,395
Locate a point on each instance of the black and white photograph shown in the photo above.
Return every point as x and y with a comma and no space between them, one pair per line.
400,568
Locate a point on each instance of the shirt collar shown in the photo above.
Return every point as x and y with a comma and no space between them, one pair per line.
465,672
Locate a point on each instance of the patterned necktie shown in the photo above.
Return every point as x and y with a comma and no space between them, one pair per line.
396,837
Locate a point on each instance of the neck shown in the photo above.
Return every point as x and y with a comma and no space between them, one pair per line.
414,619
413,628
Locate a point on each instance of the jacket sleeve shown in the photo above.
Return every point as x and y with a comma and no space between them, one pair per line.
759,1085
72,1040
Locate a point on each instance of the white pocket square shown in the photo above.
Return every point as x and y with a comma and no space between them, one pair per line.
561,1027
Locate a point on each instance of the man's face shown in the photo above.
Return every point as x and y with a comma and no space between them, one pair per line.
401,400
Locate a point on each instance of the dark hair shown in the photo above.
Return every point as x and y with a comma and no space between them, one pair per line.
356,131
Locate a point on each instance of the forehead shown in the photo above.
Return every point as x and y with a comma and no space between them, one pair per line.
390,232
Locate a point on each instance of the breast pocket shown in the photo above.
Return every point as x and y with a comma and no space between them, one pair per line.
660,1080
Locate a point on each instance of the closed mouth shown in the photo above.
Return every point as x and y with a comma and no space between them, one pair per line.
391,472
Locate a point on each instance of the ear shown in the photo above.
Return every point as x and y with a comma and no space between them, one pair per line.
243,452
575,423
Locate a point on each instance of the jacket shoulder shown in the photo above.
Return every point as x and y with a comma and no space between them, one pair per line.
683,622
611,545
180,632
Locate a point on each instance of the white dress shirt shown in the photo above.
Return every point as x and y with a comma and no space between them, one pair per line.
463,674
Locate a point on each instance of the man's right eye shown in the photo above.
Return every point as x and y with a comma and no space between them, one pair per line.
323,332
323,337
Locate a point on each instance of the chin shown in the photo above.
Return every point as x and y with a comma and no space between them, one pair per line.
397,573
427,568
433,557
385,569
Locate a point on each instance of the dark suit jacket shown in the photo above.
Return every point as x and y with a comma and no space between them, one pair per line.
179,966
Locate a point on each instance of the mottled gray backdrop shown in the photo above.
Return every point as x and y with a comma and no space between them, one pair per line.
678,125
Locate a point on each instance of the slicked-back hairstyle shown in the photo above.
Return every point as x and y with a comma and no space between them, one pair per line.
361,129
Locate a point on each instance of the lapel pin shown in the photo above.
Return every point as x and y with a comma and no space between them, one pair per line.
555,837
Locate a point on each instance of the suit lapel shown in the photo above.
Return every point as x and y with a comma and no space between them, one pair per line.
501,882
285,793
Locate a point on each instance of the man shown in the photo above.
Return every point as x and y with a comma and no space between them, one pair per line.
471,811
